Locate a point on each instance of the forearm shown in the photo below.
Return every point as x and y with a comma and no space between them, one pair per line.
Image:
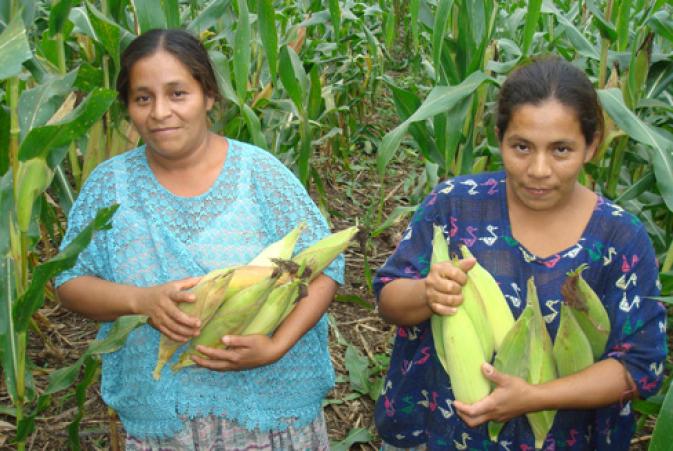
601,384
306,313
99,299
403,302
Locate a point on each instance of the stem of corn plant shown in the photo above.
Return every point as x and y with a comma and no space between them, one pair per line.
615,167
605,44
668,260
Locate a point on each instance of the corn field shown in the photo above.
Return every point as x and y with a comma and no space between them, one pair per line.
369,102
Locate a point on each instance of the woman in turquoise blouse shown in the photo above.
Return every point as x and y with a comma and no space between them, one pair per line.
190,202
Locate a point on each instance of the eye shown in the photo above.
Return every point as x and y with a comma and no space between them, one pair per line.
521,147
142,99
562,151
179,94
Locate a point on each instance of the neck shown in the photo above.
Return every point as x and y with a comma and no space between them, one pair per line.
195,158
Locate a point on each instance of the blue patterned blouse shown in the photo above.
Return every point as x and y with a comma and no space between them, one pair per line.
158,237
416,406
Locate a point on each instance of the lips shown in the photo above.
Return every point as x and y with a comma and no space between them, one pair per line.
163,129
537,192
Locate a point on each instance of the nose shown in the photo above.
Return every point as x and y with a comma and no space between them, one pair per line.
539,166
161,109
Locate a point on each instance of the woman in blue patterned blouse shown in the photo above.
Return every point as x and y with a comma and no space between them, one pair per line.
190,202
531,219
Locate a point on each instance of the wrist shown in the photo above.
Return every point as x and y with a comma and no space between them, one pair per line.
135,297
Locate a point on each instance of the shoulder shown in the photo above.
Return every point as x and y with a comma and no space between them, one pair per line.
251,154
105,171
615,225
261,165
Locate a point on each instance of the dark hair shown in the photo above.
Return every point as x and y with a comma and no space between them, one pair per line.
179,43
551,78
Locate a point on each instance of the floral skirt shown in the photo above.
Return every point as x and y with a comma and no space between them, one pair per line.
214,433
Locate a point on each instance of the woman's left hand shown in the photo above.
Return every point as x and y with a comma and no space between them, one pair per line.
242,352
511,397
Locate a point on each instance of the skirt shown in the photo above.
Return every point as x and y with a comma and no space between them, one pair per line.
213,433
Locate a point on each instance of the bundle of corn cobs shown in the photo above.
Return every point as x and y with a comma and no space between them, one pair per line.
484,325
253,298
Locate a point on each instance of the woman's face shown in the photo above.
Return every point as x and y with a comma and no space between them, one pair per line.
167,105
543,151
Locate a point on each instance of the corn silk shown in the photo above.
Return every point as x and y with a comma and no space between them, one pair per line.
416,406
158,237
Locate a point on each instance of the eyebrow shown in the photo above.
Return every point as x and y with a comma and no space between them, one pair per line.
553,143
170,84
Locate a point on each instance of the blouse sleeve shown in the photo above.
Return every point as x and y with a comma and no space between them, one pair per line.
93,260
411,258
638,334
286,203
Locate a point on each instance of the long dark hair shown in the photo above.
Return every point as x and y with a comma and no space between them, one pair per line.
551,78
179,43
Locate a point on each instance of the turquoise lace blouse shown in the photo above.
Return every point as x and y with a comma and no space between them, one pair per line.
159,237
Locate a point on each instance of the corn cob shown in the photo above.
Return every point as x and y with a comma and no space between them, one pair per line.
572,350
318,256
476,309
440,253
209,295
459,344
272,312
230,318
497,310
541,365
588,310
281,249
512,358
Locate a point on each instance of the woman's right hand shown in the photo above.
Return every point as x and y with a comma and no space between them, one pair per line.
444,284
160,304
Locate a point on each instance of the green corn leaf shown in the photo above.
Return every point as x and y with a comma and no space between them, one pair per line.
58,16
438,32
221,66
8,338
39,141
209,16
293,77
607,30
107,33
662,23
623,15
33,298
150,14
661,146
242,51
399,214
172,10
406,103
38,104
14,48
33,178
64,377
578,39
314,94
440,100
532,18
356,435
266,16
663,429
254,126
335,16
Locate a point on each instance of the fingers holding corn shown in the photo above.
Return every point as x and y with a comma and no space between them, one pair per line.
444,285
241,352
160,304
